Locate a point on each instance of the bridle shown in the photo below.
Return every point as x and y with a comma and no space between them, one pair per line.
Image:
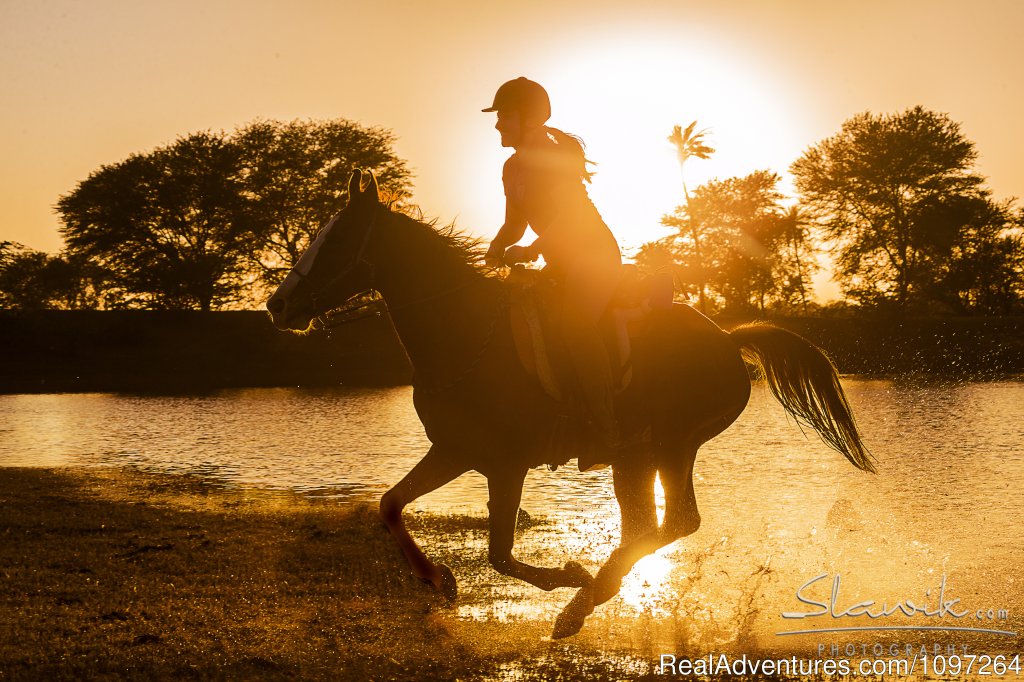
357,260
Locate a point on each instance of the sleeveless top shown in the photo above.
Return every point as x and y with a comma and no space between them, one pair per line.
543,184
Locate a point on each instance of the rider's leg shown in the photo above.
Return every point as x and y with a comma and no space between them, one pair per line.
588,292
594,377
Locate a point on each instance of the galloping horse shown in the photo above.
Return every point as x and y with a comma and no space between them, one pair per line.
482,411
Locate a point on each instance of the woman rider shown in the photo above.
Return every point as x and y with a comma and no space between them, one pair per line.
544,189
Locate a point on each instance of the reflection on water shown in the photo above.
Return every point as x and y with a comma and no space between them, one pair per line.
778,508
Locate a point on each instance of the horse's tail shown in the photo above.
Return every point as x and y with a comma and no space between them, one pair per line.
806,382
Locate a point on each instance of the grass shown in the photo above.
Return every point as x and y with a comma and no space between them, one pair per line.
110,575
113,574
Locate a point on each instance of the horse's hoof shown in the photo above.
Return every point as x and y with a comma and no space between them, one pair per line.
449,587
577,575
571,619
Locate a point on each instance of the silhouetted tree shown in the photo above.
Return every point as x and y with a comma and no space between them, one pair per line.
795,253
173,227
743,236
298,172
33,280
660,257
689,143
973,254
213,219
869,186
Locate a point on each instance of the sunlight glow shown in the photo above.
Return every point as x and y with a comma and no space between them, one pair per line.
623,98
659,498
647,585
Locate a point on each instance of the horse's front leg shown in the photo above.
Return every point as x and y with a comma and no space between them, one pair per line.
505,489
429,474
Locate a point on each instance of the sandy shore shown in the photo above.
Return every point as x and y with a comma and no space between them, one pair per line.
112,575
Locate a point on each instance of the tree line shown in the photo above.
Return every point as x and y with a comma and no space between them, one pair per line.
211,221
214,220
894,199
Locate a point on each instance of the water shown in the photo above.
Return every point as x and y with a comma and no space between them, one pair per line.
778,508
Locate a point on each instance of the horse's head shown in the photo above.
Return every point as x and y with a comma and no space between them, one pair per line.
333,269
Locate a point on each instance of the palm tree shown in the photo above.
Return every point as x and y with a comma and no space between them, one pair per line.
794,231
690,144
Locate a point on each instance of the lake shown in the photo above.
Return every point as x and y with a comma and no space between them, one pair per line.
779,508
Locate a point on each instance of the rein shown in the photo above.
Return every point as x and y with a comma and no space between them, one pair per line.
328,320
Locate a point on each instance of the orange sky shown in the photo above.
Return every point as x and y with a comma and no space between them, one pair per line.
87,83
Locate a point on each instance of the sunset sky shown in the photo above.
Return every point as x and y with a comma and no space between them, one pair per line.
88,83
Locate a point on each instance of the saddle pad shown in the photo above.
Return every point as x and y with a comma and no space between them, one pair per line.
537,337
531,346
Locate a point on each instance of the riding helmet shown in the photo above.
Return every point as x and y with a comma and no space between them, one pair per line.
522,95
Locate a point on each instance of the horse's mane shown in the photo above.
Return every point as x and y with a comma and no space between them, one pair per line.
448,239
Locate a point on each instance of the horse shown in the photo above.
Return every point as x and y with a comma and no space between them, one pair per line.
482,411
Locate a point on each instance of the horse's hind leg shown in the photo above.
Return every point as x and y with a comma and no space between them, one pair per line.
681,515
430,473
634,491
681,519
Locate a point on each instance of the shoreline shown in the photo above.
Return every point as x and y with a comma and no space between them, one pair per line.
187,351
110,573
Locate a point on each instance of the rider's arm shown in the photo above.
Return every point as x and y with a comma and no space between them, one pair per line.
513,229
515,220
510,233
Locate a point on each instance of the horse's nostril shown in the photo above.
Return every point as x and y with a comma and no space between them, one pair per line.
275,305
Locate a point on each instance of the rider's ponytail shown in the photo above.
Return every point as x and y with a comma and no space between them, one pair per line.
573,146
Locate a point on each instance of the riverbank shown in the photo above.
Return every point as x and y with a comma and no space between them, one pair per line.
889,346
55,351
110,574
187,351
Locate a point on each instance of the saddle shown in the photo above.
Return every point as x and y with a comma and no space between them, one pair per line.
535,302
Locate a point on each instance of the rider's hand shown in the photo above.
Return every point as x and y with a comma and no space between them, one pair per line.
519,254
495,256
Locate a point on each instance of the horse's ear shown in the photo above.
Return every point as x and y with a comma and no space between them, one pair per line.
354,180
372,190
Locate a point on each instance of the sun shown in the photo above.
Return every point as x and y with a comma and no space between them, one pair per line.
623,98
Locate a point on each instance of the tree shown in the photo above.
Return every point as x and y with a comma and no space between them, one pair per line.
739,226
661,257
298,172
975,254
214,219
795,253
173,227
690,144
33,280
868,188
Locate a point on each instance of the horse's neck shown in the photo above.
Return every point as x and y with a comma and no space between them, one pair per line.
442,310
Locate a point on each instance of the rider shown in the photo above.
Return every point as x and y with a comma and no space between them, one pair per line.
544,189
